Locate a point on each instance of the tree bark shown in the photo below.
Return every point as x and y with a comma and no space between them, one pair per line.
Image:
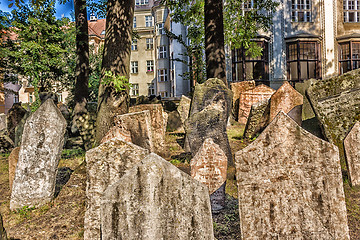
214,40
116,58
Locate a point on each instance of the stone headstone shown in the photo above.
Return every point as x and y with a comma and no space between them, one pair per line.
256,120
156,200
184,108
285,99
39,155
2,230
13,117
336,103
158,121
19,129
138,124
6,144
174,123
13,159
352,153
2,121
290,185
48,95
248,98
106,164
307,111
237,88
116,132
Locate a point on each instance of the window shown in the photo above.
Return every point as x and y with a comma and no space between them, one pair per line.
16,97
31,97
151,89
349,56
134,45
134,22
303,61
162,52
164,94
162,75
59,97
160,29
135,89
141,2
246,67
247,6
351,10
150,66
134,67
148,21
301,10
149,43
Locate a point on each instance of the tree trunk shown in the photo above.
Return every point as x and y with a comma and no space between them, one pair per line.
214,40
116,58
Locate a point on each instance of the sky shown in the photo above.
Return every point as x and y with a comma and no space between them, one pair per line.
61,9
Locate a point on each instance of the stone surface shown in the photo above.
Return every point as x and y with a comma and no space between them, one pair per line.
13,117
117,132
352,153
2,230
290,185
237,88
39,155
138,124
158,121
174,123
2,121
209,165
156,200
248,98
307,111
19,129
13,159
336,103
105,165
184,108
285,99
255,125
6,144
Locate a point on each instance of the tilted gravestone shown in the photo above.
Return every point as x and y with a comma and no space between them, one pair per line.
105,165
13,118
156,200
13,159
336,103
352,153
158,121
184,108
285,99
258,118
6,144
248,98
290,185
237,88
138,124
301,87
19,129
40,150
2,121
116,132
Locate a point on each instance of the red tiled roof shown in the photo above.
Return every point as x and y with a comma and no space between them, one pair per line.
97,27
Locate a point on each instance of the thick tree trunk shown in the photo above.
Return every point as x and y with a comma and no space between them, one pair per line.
214,40
116,58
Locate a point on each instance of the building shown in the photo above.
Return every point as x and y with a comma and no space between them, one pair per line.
309,39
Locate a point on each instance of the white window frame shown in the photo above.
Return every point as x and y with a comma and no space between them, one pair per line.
149,43
151,89
135,89
303,7
148,21
141,2
149,66
162,75
134,22
134,67
351,7
160,29
162,52
164,94
134,46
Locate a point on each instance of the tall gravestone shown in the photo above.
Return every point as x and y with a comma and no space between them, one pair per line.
2,121
237,88
290,185
13,118
13,159
301,87
258,118
184,108
352,153
105,165
156,200
39,155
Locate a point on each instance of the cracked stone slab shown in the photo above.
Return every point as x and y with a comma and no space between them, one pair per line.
352,153
237,88
156,200
290,185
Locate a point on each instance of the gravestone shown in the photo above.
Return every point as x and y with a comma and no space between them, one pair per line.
156,200
13,117
307,111
138,124
13,159
116,132
2,230
290,185
6,144
158,121
2,121
19,129
184,108
352,153
105,165
248,98
40,151
258,118
237,88
336,103
174,123
286,99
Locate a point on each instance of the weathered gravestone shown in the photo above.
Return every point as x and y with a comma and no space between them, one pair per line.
19,129
2,121
105,165
352,153
307,111
184,108
6,144
116,132
174,123
248,98
286,99
336,103
258,118
13,159
138,124
2,230
158,121
290,185
13,117
237,88
39,155
156,200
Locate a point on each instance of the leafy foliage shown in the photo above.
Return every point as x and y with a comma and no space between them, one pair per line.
120,83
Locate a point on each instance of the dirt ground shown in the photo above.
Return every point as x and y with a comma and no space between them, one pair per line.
63,218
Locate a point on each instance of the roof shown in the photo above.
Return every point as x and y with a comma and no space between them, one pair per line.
96,28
